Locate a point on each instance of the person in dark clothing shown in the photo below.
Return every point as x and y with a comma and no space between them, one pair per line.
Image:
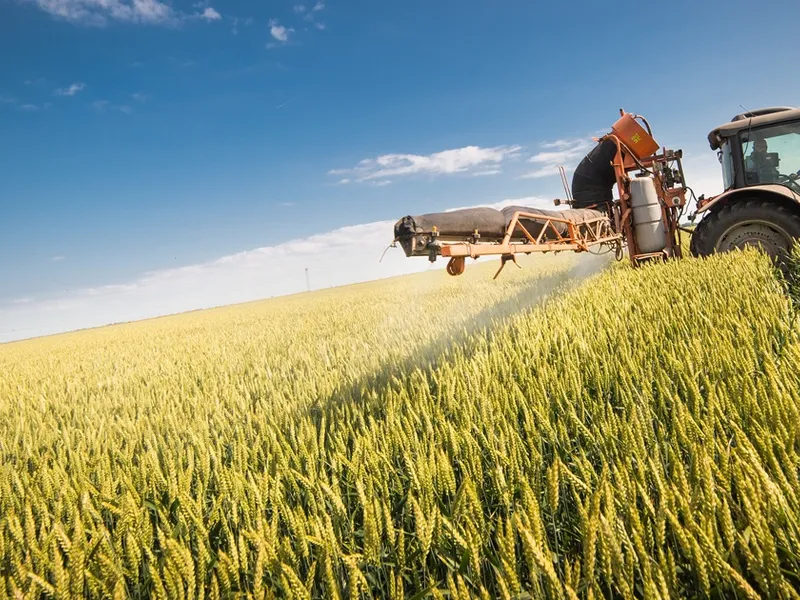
594,179
761,166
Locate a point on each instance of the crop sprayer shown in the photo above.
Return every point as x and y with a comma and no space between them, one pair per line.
759,207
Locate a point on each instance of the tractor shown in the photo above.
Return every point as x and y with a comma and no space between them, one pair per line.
759,152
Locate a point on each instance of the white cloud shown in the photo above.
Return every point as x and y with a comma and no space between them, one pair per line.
310,15
4,99
339,257
320,26
58,258
33,107
71,90
279,32
286,204
103,105
527,201
100,12
300,8
566,153
460,160
344,181
239,20
37,81
209,14
139,97
150,11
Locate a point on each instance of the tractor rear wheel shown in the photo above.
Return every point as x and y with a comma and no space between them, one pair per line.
763,224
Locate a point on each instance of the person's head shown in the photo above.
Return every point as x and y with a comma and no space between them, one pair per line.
760,145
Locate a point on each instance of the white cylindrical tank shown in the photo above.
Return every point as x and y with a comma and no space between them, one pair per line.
648,226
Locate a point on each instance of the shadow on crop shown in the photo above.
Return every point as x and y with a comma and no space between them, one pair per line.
427,358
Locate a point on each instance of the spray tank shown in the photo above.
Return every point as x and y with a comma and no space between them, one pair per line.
648,225
595,178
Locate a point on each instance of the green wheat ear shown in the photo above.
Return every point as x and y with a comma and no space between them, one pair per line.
633,434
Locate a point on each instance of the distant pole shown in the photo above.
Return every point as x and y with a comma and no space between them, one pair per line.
308,281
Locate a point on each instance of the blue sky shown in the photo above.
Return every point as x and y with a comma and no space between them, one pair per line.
142,137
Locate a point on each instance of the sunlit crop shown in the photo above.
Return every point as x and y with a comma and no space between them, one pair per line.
636,436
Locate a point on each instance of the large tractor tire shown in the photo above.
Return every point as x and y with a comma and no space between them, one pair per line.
767,225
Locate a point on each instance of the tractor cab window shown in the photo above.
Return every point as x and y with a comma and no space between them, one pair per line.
772,155
726,160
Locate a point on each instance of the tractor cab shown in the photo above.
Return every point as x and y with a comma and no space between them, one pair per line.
760,148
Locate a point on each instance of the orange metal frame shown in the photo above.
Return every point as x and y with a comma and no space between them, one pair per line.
582,236
579,238
671,199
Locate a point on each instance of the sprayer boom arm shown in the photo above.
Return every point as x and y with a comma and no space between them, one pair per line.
579,237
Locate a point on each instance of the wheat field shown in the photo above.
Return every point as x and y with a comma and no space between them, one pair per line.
632,435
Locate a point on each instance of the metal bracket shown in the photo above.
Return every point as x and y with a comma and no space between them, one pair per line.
503,260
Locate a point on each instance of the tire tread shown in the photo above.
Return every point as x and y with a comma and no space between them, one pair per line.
705,235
